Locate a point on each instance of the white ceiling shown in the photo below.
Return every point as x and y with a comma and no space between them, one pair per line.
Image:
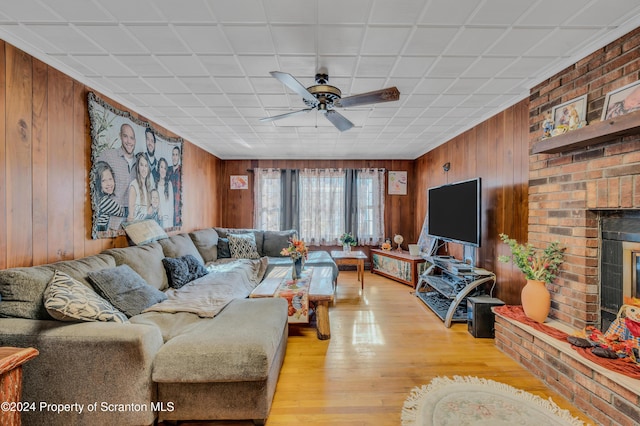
201,67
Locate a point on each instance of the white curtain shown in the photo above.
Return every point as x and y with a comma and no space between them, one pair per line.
267,199
322,205
370,206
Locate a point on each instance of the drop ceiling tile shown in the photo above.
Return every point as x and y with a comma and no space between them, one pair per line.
275,101
133,11
430,41
197,11
294,39
562,42
344,12
601,11
538,14
300,67
221,65
363,85
112,39
340,40
466,85
384,40
434,85
65,39
338,66
474,41
183,65
375,66
404,12
487,67
217,102
143,65
290,11
132,84
206,39
524,67
440,12
249,39
243,100
234,11
448,101
166,84
450,66
200,85
81,11
105,65
158,39
419,101
518,41
412,66
29,11
499,12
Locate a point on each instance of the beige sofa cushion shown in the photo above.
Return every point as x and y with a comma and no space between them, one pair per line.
180,245
206,241
145,260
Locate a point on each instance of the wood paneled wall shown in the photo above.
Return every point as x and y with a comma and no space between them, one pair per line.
45,157
496,150
399,209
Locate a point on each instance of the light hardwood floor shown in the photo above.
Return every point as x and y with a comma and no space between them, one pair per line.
384,341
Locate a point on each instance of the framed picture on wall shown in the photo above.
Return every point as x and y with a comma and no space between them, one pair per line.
398,183
569,115
239,182
622,101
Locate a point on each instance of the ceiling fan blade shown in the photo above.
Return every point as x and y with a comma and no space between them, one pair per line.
293,84
377,96
338,120
288,114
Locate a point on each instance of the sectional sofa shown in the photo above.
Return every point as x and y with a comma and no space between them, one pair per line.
125,361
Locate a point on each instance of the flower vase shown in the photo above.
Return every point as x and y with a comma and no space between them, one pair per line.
346,247
296,271
536,300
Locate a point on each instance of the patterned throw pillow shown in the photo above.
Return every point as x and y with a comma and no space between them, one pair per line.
144,231
182,270
69,300
243,246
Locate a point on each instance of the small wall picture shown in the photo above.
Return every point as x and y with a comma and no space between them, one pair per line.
239,182
622,101
569,115
398,183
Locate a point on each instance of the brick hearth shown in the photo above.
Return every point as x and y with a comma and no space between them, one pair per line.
609,398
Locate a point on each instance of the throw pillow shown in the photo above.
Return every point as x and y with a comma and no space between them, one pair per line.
182,270
223,248
243,246
125,289
68,300
177,271
196,268
275,241
144,231
206,241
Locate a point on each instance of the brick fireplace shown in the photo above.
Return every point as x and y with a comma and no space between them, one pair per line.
571,190
580,183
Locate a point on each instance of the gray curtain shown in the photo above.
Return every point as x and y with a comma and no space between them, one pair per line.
289,218
351,202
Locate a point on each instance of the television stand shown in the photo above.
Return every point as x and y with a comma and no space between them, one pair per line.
445,285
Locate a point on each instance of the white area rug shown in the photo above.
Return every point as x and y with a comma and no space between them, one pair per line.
476,401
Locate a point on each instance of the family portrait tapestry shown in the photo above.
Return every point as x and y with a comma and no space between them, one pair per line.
136,173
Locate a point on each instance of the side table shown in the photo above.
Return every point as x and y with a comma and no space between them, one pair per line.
354,257
11,360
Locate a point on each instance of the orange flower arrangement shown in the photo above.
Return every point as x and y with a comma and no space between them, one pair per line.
297,249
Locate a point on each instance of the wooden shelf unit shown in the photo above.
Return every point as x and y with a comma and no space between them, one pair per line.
397,265
593,134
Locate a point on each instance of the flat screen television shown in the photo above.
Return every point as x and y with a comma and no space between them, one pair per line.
454,212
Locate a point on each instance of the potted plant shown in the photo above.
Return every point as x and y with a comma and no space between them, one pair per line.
347,240
539,268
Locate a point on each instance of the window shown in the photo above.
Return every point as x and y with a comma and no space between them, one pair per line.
325,203
267,200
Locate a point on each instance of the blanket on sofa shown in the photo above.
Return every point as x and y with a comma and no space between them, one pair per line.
208,295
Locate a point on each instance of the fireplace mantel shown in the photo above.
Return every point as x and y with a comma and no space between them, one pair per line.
602,131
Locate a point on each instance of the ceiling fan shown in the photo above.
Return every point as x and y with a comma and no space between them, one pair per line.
325,98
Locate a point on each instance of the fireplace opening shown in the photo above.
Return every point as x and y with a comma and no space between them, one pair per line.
619,261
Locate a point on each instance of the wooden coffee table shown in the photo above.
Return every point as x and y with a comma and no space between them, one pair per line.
320,293
354,257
